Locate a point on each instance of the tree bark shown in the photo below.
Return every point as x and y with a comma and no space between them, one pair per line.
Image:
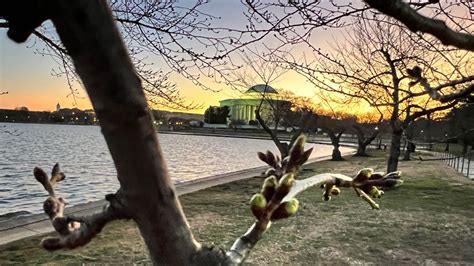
406,154
335,139
336,154
392,164
363,141
379,145
91,38
361,149
410,148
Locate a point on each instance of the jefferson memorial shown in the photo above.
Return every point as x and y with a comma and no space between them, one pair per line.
243,108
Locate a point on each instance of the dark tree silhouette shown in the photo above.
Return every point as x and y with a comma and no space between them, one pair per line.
381,63
364,139
461,121
216,115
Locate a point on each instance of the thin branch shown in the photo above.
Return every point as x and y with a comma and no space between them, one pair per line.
73,231
50,42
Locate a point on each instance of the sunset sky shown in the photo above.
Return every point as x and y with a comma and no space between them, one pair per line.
27,75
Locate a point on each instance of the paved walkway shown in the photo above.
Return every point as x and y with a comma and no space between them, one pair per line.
38,224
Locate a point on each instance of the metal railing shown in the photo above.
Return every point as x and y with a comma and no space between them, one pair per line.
464,164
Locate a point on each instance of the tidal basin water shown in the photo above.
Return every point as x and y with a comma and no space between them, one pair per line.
90,174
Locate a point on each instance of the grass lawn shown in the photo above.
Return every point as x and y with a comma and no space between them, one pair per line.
430,219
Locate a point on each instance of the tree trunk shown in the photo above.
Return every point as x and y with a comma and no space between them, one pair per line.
361,150
446,148
392,164
363,141
465,146
406,154
89,34
335,138
409,148
336,154
283,148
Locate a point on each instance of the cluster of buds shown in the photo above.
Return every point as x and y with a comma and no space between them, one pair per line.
373,182
290,164
365,183
330,189
268,205
54,206
270,198
73,231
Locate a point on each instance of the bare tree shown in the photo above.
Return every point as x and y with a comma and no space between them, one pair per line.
381,63
335,126
363,140
273,110
280,111
295,21
461,121
146,193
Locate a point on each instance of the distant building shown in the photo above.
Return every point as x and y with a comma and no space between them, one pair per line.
160,115
243,109
58,107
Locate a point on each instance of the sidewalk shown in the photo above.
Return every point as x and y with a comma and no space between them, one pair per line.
38,224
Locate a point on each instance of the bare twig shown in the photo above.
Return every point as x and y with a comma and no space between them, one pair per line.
73,231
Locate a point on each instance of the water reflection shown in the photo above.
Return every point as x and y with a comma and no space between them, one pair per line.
88,166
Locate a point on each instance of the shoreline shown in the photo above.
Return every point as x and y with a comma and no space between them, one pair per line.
38,224
228,133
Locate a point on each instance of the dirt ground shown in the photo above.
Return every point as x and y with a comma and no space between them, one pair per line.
428,220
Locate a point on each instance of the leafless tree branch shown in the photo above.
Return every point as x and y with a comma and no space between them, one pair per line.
417,22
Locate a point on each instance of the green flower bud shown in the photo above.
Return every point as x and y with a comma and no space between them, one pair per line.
375,192
284,186
335,191
366,172
363,175
269,187
298,146
287,180
258,204
286,209
300,141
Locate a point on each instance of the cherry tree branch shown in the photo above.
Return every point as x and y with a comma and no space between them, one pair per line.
435,93
417,22
73,231
276,199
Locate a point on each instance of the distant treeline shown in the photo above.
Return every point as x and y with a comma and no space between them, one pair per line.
62,116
